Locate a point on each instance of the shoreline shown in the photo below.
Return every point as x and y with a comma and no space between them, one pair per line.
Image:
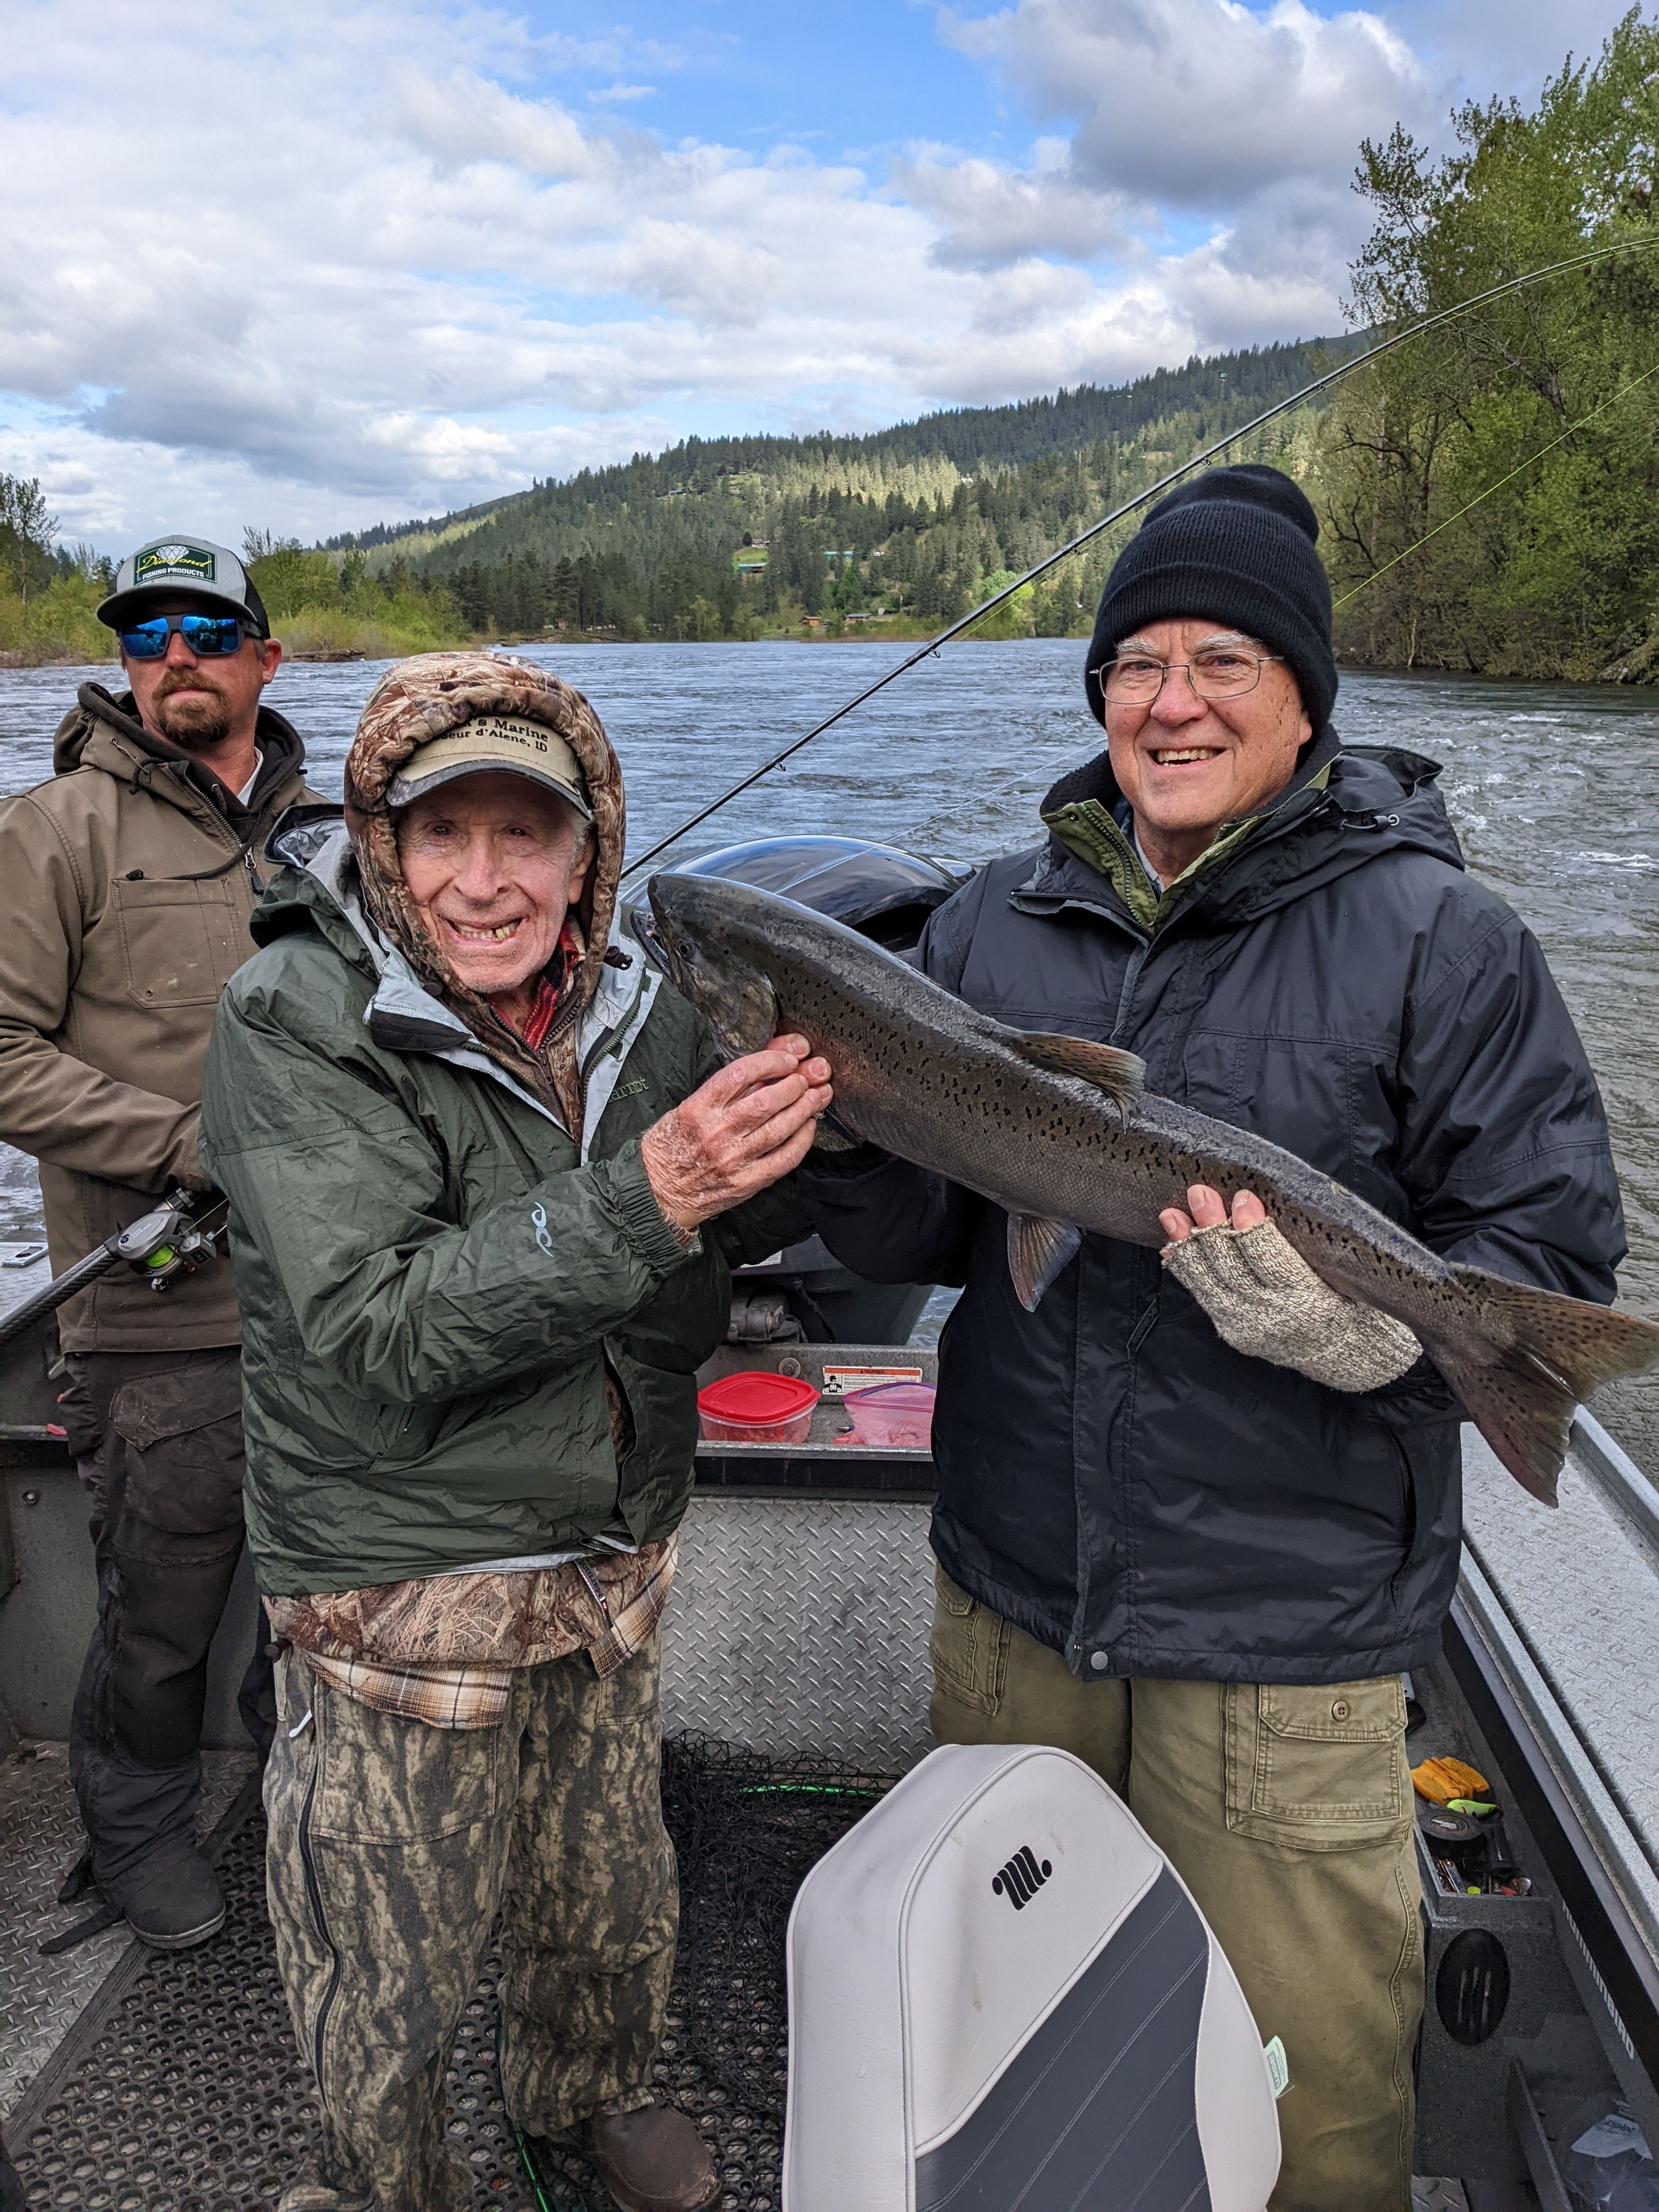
13,662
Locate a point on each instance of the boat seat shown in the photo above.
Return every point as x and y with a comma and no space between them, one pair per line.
1002,1995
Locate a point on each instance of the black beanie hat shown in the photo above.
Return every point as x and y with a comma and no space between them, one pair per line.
1236,545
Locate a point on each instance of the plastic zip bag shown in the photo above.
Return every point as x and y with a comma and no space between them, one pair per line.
1605,2159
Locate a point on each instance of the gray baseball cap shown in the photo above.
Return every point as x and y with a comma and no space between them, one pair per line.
166,566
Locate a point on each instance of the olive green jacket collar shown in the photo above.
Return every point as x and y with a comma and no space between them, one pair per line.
1084,823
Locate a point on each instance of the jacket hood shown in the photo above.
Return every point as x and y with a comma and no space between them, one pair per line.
1344,806
97,714
427,697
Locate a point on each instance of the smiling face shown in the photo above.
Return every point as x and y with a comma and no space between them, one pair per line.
1187,765
493,863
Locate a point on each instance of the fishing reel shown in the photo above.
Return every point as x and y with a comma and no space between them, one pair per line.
167,1242
161,1245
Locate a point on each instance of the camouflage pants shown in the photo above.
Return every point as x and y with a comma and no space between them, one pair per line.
393,1847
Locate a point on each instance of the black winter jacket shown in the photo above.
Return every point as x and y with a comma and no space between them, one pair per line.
1112,1477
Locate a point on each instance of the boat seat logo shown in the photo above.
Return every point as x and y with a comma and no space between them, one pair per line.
1021,1879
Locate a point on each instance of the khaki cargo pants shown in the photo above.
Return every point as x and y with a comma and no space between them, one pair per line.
393,1847
1287,1812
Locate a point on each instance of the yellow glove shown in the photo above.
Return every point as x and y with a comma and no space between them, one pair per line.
1440,1780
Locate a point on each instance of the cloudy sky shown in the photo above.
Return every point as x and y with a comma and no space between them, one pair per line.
321,264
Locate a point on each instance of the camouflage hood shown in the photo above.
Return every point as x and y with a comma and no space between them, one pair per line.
427,697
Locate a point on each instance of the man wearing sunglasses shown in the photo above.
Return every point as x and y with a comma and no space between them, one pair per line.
126,882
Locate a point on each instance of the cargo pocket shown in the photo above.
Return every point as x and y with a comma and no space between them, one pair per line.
181,1459
968,1647
175,940
382,1779
1318,1768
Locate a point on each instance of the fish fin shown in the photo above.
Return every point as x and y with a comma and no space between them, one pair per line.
1548,1353
1038,1250
830,1136
1119,1074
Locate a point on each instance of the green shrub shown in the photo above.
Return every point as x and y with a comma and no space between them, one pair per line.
57,623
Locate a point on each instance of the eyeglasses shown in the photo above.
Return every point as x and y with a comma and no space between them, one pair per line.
206,635
1218,671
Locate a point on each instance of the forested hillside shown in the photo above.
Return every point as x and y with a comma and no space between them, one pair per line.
907,527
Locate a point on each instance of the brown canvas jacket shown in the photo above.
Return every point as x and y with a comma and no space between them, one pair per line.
125,887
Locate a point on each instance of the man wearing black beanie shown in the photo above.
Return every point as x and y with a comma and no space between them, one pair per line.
1240,545
1195,1517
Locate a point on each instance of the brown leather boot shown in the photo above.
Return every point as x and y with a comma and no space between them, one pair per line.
653,2160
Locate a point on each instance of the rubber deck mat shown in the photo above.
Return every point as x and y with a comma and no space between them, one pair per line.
182,2090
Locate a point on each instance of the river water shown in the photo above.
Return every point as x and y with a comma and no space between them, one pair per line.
1554,790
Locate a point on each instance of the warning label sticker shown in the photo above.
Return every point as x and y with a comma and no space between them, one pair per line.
842,1381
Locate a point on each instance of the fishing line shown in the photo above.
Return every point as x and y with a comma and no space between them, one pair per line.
1520,470
1084,537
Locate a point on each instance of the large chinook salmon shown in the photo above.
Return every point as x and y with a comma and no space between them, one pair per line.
1058,1132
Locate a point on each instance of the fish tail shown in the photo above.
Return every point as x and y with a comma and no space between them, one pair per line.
1537,1356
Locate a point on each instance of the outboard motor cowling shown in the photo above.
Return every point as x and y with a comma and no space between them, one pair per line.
884,894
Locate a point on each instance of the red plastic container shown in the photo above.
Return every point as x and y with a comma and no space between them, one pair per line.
891,1417
756,1407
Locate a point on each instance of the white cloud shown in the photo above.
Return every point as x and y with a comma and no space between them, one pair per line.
1197,104
1248,120
989,215
325,264
464,119
1249,117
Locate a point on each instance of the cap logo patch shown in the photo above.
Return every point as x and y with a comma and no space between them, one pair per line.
193,562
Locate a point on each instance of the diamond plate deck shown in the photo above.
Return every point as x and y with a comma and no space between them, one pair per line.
797,1627
41,1998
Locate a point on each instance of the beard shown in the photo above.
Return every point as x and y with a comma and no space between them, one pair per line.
194,725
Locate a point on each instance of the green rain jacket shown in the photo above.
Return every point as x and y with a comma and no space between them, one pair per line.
432,1274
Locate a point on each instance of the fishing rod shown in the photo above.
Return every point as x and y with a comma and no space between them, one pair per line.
1417,330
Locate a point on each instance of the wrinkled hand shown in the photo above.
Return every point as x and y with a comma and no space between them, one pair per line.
1265,1300
738,1133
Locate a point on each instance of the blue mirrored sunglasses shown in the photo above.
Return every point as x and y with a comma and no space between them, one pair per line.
203,634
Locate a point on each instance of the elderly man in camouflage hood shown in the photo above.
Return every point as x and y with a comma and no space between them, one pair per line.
487,1181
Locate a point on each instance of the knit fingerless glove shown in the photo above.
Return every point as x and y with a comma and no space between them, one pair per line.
1265,1300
